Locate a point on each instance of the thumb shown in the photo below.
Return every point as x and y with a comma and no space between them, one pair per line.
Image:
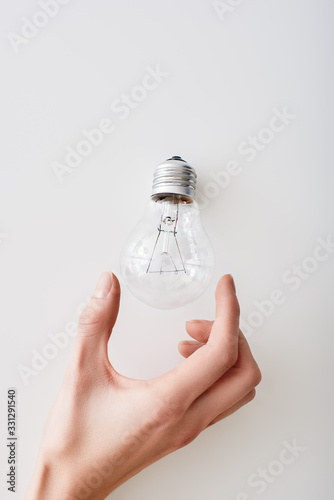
97,320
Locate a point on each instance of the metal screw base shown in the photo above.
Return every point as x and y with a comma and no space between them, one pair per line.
174,176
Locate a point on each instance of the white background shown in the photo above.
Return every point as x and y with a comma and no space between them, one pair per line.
225,78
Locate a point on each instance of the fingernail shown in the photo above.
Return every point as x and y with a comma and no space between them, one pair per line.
233,284
103,286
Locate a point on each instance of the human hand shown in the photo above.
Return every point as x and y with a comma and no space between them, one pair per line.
104,427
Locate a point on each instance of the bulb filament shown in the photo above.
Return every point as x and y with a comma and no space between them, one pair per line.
162,261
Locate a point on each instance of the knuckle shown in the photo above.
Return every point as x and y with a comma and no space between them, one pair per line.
224,357
251,395
166,413
229,357
90,316
254,375
173,414
185,437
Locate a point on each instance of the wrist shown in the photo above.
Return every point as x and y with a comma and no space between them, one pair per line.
41,482
60,477
51,481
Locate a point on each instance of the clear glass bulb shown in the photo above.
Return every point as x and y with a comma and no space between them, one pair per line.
168,259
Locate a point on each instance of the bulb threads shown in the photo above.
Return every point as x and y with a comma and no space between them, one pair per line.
174,176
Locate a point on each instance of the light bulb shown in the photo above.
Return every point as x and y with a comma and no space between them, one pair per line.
167,261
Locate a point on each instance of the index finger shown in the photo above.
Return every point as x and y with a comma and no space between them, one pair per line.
198,372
